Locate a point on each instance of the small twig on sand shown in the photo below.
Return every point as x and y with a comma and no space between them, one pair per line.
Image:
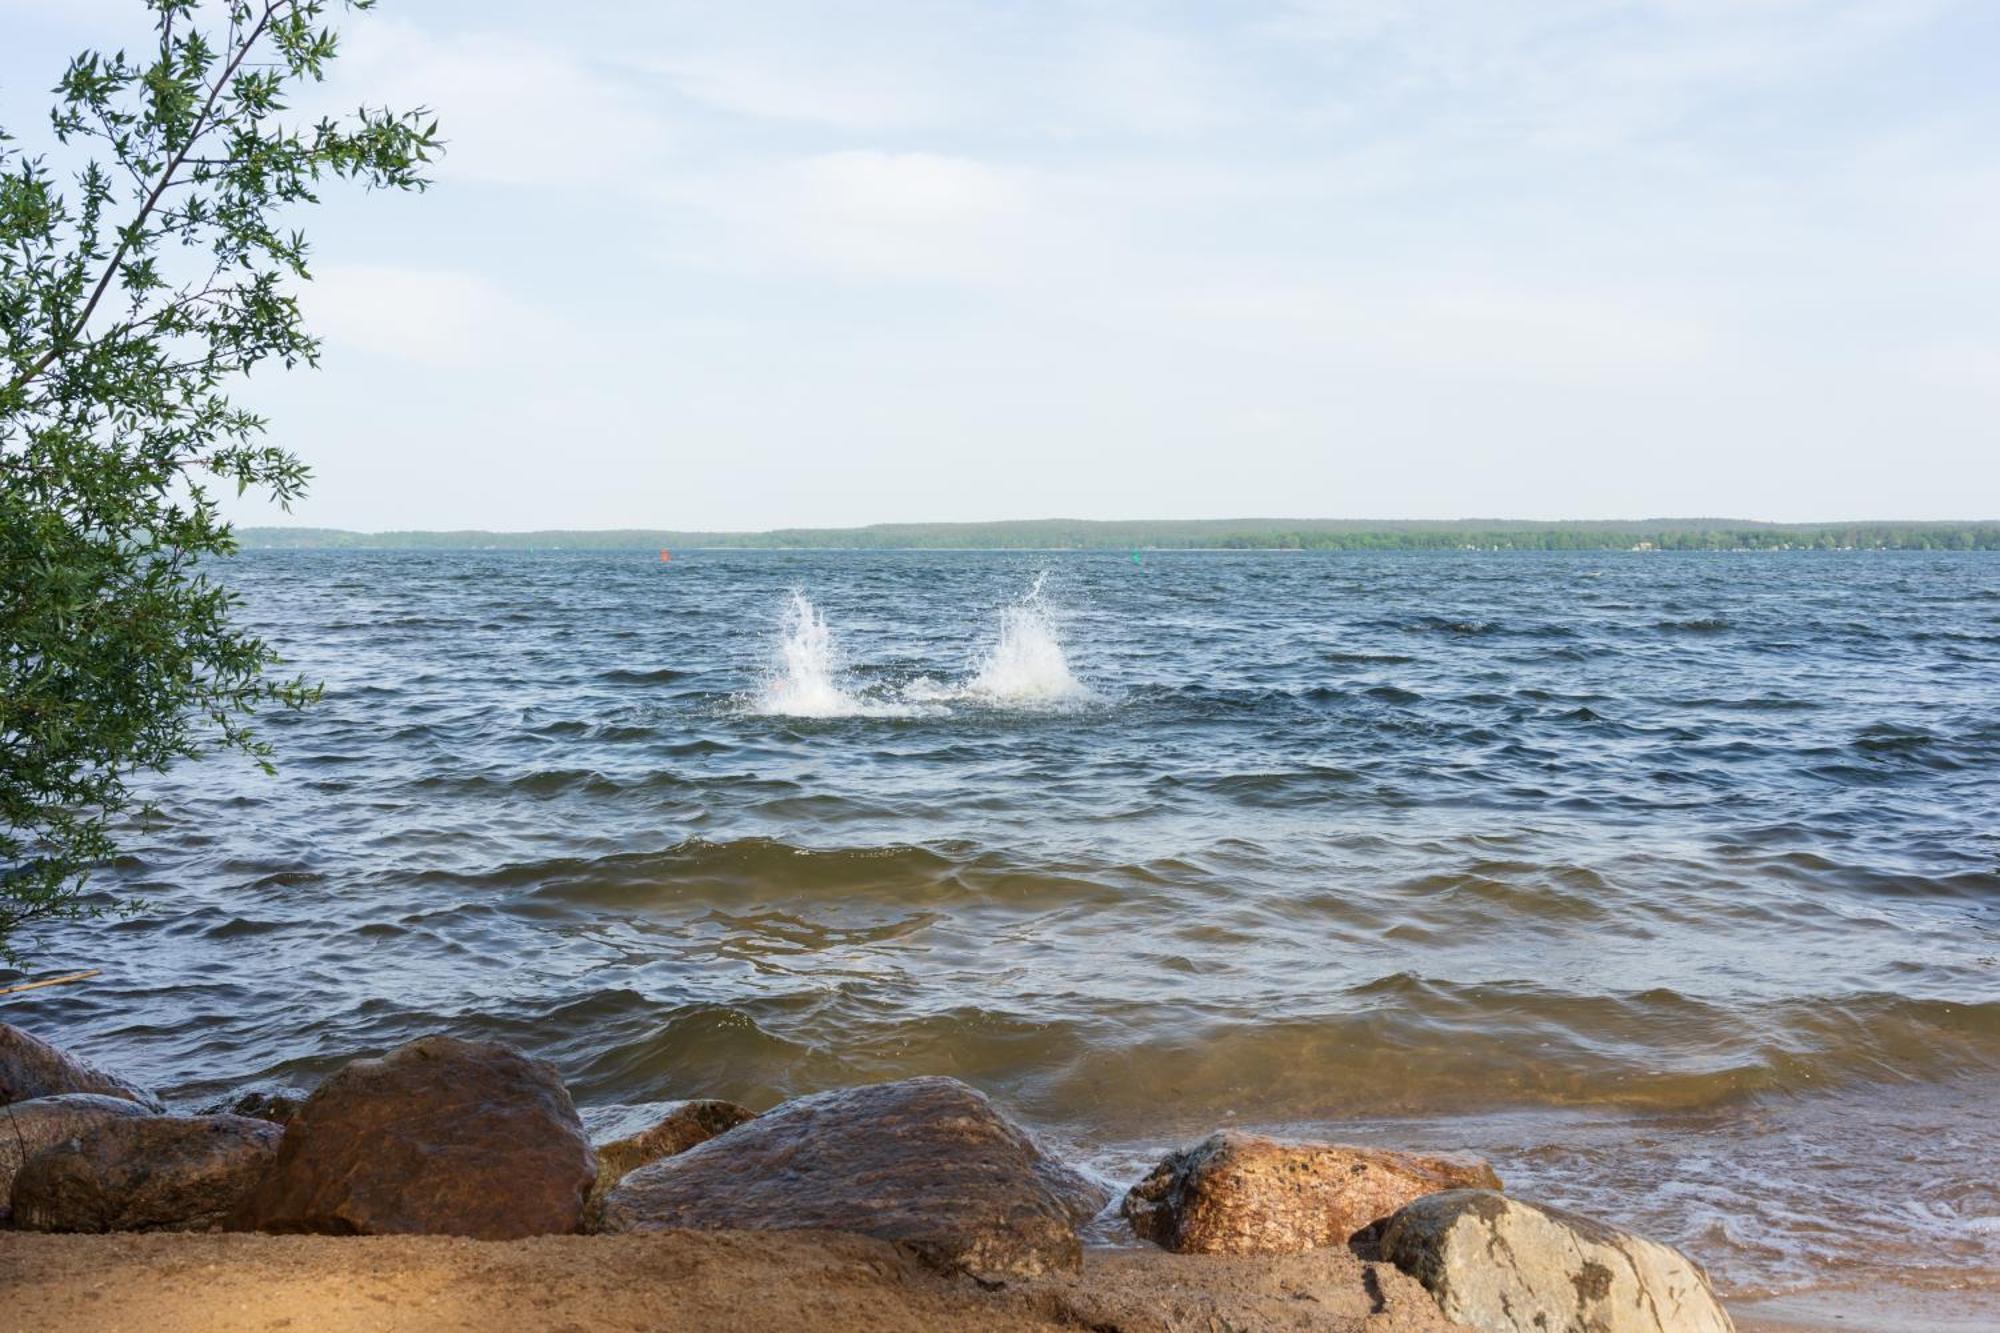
51,981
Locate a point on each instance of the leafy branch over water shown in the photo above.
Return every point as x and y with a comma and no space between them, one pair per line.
140,273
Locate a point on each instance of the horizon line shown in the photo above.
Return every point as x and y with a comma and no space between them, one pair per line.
1653,521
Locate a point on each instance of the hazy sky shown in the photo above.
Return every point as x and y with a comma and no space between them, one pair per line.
753,264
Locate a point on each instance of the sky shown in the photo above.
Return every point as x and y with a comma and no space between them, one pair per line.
778,262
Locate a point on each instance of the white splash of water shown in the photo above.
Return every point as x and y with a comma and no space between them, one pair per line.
1027,664
807,680
1025,667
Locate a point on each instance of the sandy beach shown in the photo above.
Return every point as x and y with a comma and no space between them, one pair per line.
830,1282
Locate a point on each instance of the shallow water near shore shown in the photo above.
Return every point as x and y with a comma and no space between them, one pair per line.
1667,881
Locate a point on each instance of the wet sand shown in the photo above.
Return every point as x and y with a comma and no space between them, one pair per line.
766,1282
1967,1305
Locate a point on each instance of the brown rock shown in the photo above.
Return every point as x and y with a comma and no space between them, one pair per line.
31,1068
684,1125
440,1136
28,1127
926,1162
151,1173
1237,1193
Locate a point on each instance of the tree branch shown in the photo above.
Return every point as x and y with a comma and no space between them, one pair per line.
195,132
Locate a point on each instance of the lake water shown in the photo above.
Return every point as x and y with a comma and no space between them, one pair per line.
1667,881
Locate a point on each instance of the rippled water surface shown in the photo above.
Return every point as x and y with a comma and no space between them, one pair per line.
1668,881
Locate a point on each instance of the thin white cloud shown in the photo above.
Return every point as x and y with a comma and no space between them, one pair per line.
436,318
802,87
1955,367
113,19
513,111
1152,82
1583,73
1459,326
864,213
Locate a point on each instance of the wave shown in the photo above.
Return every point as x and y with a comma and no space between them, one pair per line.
1366,659
740,870
1893,738
1400,1044
1405,1044
629,676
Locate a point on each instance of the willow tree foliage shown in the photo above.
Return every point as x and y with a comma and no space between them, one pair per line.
148,260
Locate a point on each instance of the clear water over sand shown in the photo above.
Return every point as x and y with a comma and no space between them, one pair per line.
1668,881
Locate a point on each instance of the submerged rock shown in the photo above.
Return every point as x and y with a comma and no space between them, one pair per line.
1237,1193
26,1128
683,1126
30,1068
440,1136
1499,1264
276,1105
926,1162
150,1173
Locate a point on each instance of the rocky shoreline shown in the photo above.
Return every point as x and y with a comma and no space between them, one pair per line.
921,1183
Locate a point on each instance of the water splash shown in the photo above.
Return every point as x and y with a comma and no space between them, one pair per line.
1025,667
808,680
1027,664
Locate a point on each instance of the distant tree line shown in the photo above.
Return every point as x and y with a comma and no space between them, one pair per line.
1216,534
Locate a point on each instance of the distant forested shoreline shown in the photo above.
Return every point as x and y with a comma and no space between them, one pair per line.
1194,535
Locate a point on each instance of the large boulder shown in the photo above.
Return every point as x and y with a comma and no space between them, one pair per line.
440,1136
28,1127
926,1162
150,1173
31,1068
682,1126
1499,1264
1236,1193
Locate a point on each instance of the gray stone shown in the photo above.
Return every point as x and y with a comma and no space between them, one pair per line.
1504,1266
152,1173
926,1162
